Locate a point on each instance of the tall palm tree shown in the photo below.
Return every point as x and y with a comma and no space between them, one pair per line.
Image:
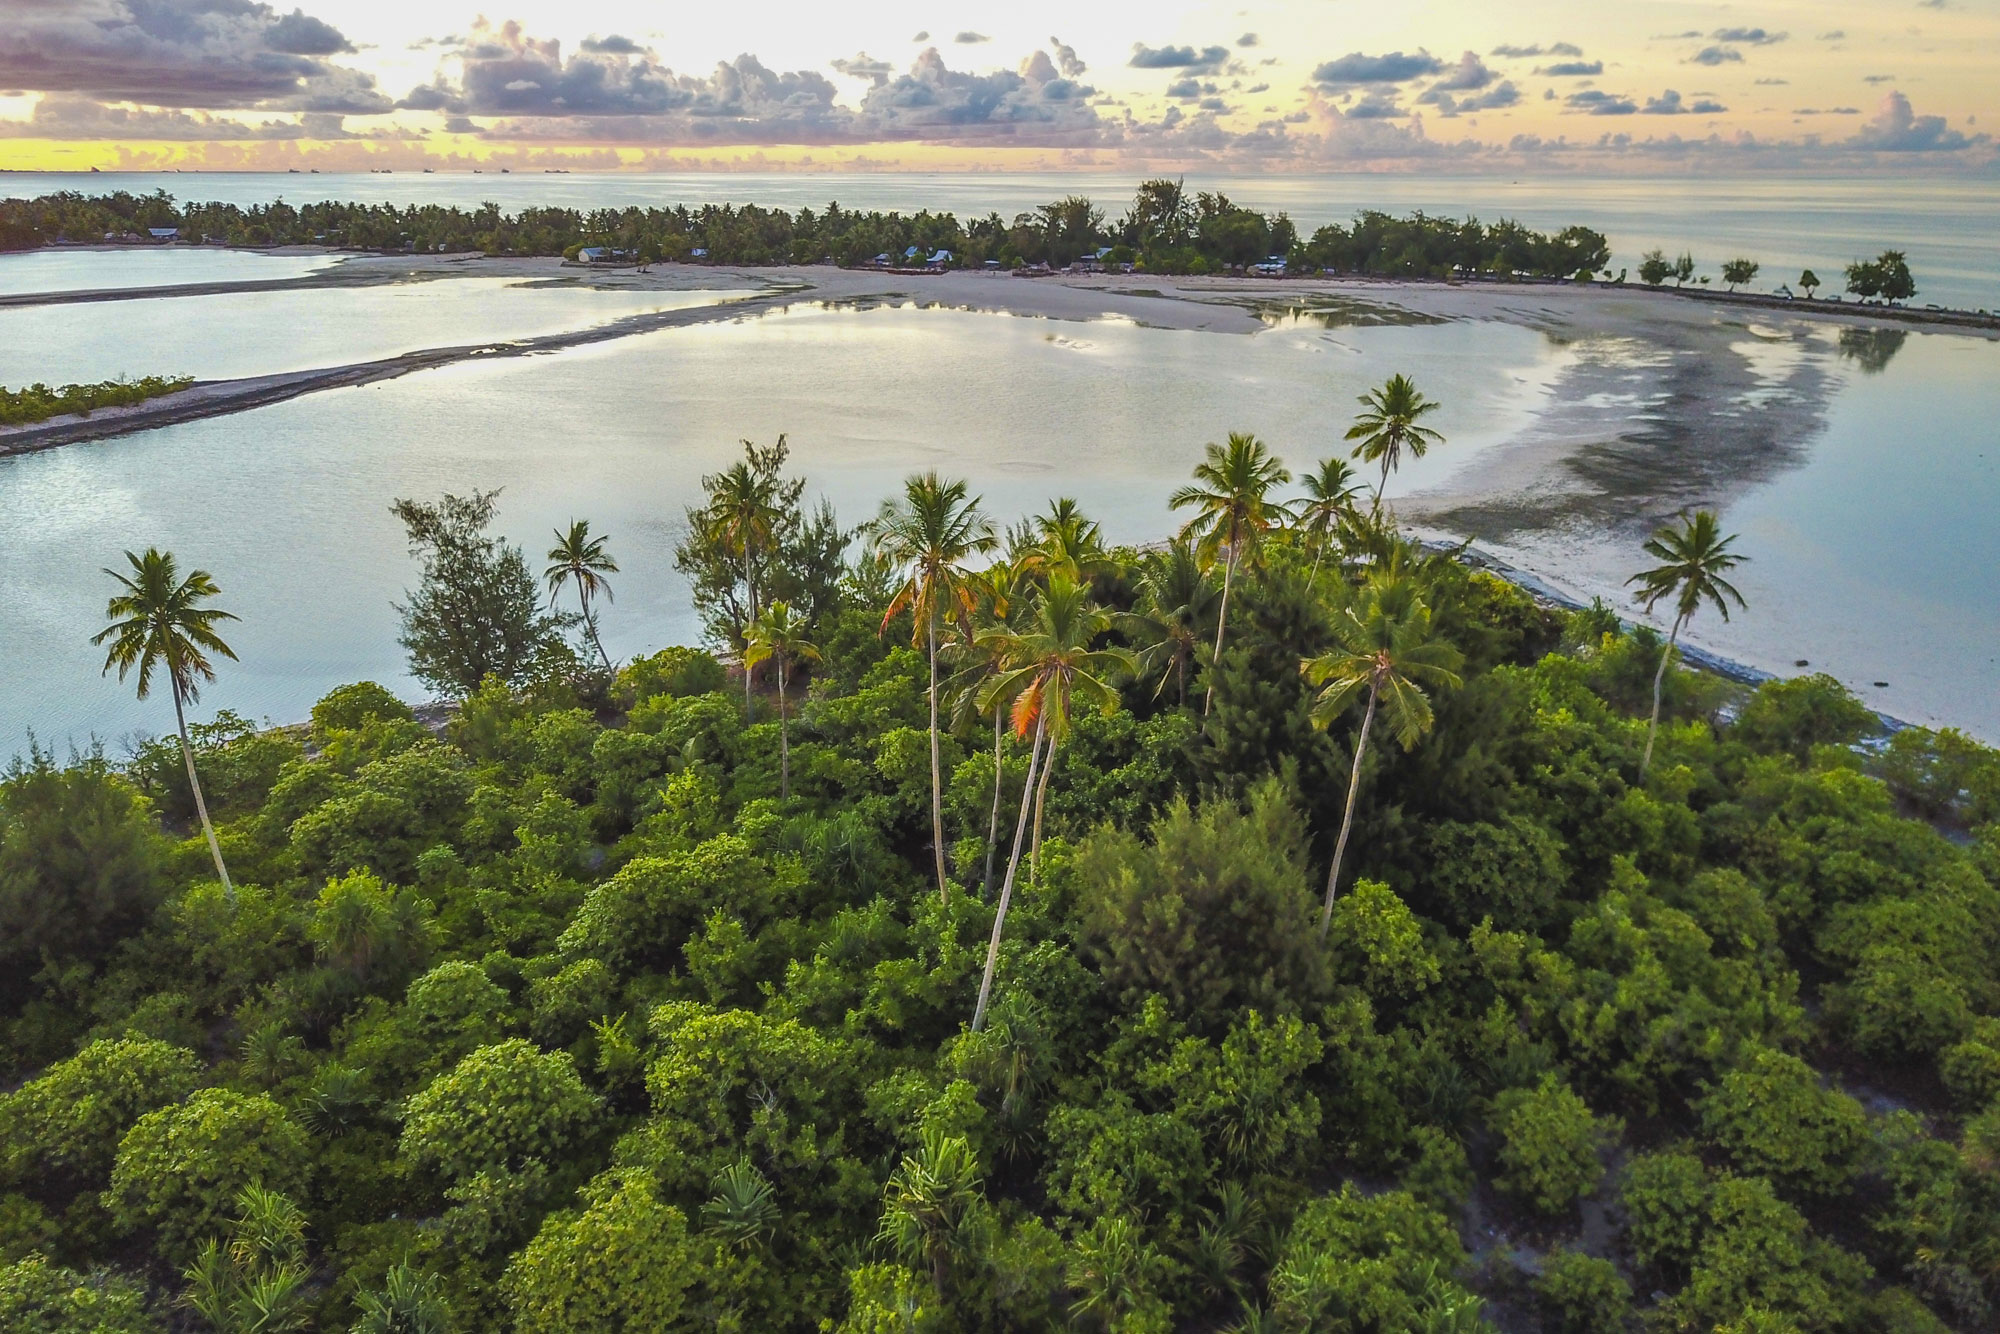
1388,425
1052,669
1328,508
579,558
1694,556
158,620
996,596
1383,646
779,634
1231,497
1066,541
929,535
1175,604
743,514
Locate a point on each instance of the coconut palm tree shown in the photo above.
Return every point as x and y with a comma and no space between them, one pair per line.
929,535
1383,647
1388,425
1328,508
1065,541
743,515
996,594
579,558
1694,556
1175,604
779,634
1051,670
158,620
1231,497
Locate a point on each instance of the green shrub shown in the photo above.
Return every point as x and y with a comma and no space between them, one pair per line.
621,1266
1551,1145
180,1168
1773,1118
674,670
1582,1294
37,1297
497,1108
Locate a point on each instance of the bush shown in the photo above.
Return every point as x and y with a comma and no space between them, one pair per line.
674,670
1582,1294
1773,1119
1350,1253
180,1169
37,1297
349,708
1666,1198
496,1109
69,1122
1550,1145
622,1266
1791,717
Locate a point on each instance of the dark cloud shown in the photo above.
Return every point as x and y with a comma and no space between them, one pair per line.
1826,111
1529,52
1773,83
1377,105
1066,59
1395,67
1600,103
1897,128
1502,95
1748,36
1715,55
971,38
1878,78
65,116
1670,103
1247,39
1572,69
211,54
614,45
861,65
1836,35
1184,89
1468,75
1207,60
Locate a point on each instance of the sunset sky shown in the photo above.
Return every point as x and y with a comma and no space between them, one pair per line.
1308,85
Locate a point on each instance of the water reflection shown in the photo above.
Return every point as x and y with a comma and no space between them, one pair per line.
1872,349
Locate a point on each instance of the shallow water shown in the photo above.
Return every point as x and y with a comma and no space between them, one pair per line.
288,506
84,269
263,333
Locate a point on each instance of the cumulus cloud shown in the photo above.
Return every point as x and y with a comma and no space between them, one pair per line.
1836,35
1748,36
1878,78
1773,83
66,116
861,65
614,45
208,54
1066,59
1468,75
1826,111
1247,39
1500,96
1395,67
1377,105
1597,102
971,38
1205,61
1572,69
1670,103
1715,55
1897,128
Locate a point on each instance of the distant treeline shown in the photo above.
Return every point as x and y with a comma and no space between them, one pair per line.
38,402
1166,229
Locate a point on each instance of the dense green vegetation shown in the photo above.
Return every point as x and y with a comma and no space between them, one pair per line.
637,1000
38,402
1885,278
1167,229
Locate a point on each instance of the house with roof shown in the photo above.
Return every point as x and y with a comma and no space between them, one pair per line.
942,259
164,234
594,254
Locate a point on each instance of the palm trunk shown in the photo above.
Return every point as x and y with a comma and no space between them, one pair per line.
784,740
1318,555
1007,885
993,825
1659,680
1221,623
1347,820
200,804
1375,510
749,592
937,775
1041,796
590,624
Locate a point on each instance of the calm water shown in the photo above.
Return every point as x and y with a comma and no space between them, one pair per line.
1946,225
82,269
287,506
263,333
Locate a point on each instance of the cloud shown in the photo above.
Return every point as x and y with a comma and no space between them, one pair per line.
1247,39
1896,128
1185,89
209,54
1878,78
1836,35
1749,36
861,65
1395,67
1715,55
614,45
1573,69
971,38
1600,103
1502,95
1066,59
1826,111
1670,103
1468,75
921,37
1205,61
1377,105
1528,52
65,116
1773,83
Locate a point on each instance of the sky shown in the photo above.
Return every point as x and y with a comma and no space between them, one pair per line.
1640,86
